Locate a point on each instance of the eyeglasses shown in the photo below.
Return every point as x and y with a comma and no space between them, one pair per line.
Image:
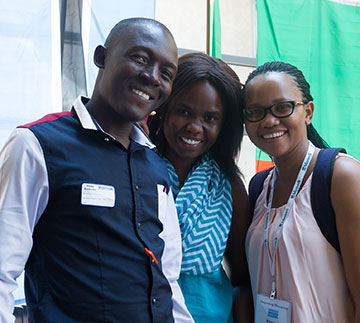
278,110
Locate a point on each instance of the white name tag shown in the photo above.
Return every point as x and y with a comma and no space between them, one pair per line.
272,310
97,195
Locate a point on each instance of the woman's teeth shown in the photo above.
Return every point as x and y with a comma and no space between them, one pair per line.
273,135
190,141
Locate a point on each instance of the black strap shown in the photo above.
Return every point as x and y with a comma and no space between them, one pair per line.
256,185
320,194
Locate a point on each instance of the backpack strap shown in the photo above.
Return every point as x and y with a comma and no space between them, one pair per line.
255,187
320,194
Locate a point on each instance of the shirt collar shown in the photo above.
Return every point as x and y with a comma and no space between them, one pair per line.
87,122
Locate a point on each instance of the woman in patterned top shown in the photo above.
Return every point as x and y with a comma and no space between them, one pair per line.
198,132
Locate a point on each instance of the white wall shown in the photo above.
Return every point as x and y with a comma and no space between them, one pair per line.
186,20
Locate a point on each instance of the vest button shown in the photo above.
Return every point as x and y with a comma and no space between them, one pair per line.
153,300
139,224
137,187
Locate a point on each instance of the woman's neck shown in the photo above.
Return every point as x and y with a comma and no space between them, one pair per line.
287,169
288,166
182,168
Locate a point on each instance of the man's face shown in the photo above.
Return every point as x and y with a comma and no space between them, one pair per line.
139,68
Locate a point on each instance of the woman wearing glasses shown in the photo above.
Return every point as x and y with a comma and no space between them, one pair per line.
296,274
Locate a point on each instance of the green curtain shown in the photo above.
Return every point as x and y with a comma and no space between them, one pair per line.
215,29
321,38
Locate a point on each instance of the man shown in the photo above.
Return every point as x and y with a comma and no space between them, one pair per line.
85,204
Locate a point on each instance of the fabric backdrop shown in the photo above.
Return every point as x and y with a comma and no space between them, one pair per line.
321,38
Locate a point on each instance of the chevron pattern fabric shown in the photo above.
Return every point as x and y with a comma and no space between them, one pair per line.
204,206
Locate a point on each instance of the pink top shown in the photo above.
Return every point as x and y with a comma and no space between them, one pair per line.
309,271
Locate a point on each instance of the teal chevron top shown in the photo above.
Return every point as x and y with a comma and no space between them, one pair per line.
204,206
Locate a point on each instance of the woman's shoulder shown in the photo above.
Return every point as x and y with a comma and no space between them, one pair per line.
345,181
346,165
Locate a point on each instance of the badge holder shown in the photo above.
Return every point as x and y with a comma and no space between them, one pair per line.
272,310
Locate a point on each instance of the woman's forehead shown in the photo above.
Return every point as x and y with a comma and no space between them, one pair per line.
272,86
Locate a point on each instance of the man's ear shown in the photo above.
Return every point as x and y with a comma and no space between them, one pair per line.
99,56
309,112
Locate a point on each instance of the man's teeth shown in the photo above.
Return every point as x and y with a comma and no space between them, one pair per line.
142,94
190,141
273,135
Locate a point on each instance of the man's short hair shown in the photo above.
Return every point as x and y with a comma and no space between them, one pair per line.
133,22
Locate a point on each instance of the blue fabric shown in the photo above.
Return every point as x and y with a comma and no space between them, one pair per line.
320,194
204,206
88,263
208,297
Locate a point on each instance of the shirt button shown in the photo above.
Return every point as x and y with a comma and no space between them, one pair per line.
106,139
137,187
153,300
139,224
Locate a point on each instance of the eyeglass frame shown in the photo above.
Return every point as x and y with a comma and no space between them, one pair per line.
269,109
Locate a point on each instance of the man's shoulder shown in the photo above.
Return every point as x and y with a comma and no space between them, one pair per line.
47,118
54,130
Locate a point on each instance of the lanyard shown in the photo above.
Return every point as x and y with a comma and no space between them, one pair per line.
289,203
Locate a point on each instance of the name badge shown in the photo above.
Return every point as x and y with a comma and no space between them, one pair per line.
97,195
272,310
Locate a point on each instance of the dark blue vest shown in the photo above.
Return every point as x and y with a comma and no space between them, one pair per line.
88,263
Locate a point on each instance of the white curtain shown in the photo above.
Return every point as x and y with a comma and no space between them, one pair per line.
30,55
26,73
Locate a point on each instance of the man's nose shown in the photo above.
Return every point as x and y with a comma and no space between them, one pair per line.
152,74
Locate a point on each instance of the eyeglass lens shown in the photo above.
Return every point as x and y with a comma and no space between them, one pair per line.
279,110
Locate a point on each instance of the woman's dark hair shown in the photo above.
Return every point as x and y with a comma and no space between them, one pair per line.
194,68
301,83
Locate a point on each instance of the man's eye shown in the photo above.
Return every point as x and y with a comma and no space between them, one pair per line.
141,59
168,74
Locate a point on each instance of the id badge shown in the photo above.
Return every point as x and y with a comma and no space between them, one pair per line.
97,195
272,310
